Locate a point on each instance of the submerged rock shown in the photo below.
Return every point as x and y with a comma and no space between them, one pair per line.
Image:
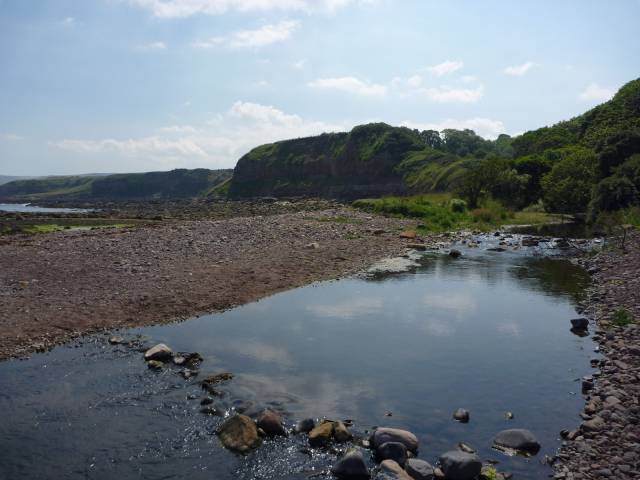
155,364
580,323
517,439
116,340
159,352
351,466
419,469
461,415
385,434
271,423
240,434
455,253
458,465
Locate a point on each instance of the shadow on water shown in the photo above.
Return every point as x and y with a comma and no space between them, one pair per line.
561,230
488,332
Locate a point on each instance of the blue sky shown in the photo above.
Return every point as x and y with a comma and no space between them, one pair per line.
139,85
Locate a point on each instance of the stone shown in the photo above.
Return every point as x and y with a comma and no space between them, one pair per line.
116,340
518,439
453,253
461,415
305,426
321,434
594,425
395,451
580,323
155,364
419,469
312,246
390,470
159,352
351,466
341,433
385,434
410,234
271,423
417,246
458,465
239,433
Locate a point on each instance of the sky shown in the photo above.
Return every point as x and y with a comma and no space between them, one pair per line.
91,86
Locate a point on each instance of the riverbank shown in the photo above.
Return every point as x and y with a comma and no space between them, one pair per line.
62,285
607,443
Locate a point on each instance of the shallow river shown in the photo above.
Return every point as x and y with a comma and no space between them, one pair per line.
28,208
488,332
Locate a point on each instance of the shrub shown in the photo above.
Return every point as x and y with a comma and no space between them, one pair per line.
458,205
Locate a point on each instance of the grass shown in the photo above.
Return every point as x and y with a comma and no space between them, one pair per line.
42,228
441,212
340,219
622,318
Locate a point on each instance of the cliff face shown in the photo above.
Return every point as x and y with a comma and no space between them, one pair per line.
363,162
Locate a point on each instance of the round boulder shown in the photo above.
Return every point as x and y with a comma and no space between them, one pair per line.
385,434
419,469
458,465
390,470
321,434
395,451
271,423
351,466
239,433
580,323
461,415
518,439
159,352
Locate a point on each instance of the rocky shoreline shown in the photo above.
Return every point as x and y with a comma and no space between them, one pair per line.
607,443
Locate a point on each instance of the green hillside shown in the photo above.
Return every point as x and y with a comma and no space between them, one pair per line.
176,183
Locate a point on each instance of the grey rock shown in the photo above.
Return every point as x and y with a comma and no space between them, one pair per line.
159,352
419,469
461,415
385,434
240,434
305,426
580,323
271,423
518,439
395,451
351,466
458,465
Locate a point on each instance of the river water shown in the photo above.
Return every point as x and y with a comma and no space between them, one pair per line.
488,332
28,208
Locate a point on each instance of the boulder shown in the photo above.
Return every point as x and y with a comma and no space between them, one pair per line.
116,340
461,415
580,323
341,433
351,466
239,433
160,352
410,234
458,465
454,253
305,426
271,423
321,434
155,364
395,451
390,470
385,434
419,469
594,425
517,439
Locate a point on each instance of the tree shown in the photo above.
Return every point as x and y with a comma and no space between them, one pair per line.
567,187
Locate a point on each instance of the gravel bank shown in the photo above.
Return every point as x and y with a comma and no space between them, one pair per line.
58,286
607,443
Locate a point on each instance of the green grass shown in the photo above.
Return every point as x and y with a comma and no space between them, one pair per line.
340,219
622,318
441,212
41,228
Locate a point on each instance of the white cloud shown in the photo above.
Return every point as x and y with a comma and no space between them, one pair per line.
261,37
153,46
445,68
187,8
350,85
452,95
68,22
485,127
218,143
10,137
519,70
597,93
414,81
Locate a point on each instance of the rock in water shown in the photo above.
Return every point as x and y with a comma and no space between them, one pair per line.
580,323
384,435
306,425
518,439
341,433
395,451
419,469
160,352
351,466
271,423
461,415
239,433
390,470
458,465
155,364
321,435
454,253
116,340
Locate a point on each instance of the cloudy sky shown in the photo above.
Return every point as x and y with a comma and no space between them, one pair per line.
138,85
